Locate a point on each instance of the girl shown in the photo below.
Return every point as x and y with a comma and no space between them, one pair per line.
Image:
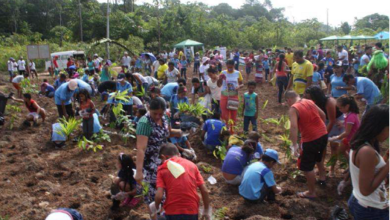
91,68
183,70
281,76
198,89
259,71
215,91
87,108
369,171
349,107
180,97
125,181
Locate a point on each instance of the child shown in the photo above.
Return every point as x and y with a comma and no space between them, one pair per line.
183,70
197,89
258,182
125,182
215,91
259,71
87,108
139,113
47,89
180,97
316,76
172,74
250,107
248,66
196,62
321,71
266,67
61,80
211,131
184,147
35,112
33,70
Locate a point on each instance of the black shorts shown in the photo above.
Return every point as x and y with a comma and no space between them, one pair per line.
312,153
329,73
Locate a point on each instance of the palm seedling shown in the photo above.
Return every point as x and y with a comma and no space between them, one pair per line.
68,126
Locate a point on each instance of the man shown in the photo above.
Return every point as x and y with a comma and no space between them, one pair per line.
343,56
63,98
365,59
179,179
56,67
309,119
96,63
365,88
125,61
289,57
302,71
258,182
11,65
21,66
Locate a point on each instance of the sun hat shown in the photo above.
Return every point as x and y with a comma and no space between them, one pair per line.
205,59
273,154
56,215
72,84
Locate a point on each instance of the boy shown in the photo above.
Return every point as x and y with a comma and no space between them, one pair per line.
179,178
47,89
266,67
35,112
250,107
60,81
184,147
211,132
258,182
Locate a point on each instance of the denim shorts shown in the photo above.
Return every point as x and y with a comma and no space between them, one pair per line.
366,213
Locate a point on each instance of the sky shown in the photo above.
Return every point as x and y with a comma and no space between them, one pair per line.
298,10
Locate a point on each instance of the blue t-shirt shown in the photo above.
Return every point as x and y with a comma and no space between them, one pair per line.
213,128
126,87
254,178
368,89
336,81
183,64
265,64
85,78
321,72
63,94
236,57
181,141
235,161
83,85
58,83
328,63
49,88
176,61
258,152
175,100
316,77
170,89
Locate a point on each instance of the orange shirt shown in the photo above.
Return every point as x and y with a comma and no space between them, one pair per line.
310,123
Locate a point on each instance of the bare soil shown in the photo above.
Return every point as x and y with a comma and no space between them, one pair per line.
35,177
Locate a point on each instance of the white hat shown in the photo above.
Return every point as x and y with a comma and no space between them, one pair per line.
72,84
58,216
205,59
125,52
95,55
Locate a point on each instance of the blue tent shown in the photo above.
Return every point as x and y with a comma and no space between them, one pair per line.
382,35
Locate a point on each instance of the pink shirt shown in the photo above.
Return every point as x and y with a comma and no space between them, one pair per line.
352,118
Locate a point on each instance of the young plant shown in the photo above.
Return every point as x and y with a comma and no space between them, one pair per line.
265,104
285,145
86,144
145,189
100,137
141,93
220,213
128,130
14,114
296,173
68,126
27,87
207,168
220,151
121,96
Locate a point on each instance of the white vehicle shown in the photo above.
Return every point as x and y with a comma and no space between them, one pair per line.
63,58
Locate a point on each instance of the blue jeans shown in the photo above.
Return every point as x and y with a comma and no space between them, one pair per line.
183,73
252,120
361,213
266,73
181,217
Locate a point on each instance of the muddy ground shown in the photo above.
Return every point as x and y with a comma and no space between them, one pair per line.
35,177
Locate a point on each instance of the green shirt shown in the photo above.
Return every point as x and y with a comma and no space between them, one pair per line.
250,104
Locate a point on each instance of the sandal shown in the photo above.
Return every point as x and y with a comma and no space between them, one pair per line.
303,196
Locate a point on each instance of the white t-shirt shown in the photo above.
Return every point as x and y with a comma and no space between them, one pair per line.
363,60
10,65
21,65
172,75
141,77
214,89
96,63
32,65
151,80
137,101
165,55
171,55
126,61
18,79
203,70
156,65
344,54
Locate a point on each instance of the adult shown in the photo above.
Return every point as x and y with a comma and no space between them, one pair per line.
56,67
365,59
289,56
64,214
302,72
33,69
334,117
96,63
281,76
237,158
343,57
236,59
11,65
152,132
90,67
141,82
161,70
365,88
121,86
369,171
320,53
21,66
258,181
105,75
125,61
309,119
337,87
171,74
63,98
170,89
329,62
231,81
180,186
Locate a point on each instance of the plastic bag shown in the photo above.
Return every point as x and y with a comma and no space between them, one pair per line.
206,101
338,213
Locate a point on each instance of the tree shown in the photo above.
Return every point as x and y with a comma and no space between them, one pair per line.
375,22
345,28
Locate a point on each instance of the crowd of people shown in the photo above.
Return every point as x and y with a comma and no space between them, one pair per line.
317,88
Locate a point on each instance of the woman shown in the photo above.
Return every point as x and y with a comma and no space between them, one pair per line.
337,87
369,199
152,132
334,117
281,76
231,81
105,75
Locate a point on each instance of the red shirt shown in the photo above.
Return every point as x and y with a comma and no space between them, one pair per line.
55,63
310,123
31,107
88,105
181,193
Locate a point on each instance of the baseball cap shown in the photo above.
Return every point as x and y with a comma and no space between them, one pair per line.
273,154
95,55
58,216
338,63
73,84
121,77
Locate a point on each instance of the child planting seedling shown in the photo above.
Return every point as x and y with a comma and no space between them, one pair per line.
35,111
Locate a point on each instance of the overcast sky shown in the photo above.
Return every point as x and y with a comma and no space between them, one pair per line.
298,10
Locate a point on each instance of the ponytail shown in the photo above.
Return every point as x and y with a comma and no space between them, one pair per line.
349,100
281,60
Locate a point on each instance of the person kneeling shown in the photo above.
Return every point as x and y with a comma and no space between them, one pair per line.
258,183
36,112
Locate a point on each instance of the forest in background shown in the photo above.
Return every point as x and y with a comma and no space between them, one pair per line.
158,26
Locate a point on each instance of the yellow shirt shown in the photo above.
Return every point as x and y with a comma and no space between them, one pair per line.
161,71
290,59
301,72
180,55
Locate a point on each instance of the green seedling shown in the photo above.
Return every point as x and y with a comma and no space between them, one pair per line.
68,126
14,110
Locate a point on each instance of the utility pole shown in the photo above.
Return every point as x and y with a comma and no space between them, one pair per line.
81,23
327,20
61,26
108,30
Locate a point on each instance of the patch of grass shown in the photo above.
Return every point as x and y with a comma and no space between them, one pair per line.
220,213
